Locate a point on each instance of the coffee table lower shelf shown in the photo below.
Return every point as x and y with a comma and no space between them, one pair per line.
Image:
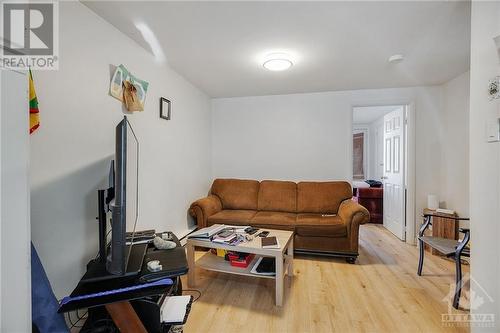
211,262
208,261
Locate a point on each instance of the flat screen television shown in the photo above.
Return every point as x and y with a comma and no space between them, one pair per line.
118,254
121,258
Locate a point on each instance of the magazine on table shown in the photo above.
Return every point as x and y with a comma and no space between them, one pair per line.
208,232
225,236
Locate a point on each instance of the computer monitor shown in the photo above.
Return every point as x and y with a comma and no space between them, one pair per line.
124,207
118,255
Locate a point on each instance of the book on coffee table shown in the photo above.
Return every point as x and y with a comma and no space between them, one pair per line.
208,232
270,243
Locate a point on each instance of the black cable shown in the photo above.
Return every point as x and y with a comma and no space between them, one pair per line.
71,321
79,318
82,316
193,290
105,239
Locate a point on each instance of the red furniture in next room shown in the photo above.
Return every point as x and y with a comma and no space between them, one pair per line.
372,198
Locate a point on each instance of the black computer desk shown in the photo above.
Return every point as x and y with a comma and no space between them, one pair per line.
137,310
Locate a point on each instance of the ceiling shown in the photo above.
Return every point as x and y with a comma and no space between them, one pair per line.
364,115
219,46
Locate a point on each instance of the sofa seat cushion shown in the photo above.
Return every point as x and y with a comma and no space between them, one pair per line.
279,219
229,216
317,225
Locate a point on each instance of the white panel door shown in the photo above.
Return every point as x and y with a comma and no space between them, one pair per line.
394,187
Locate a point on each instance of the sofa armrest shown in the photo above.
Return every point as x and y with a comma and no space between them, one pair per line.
353,214
203,208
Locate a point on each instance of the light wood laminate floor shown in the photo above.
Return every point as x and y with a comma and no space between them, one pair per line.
380,293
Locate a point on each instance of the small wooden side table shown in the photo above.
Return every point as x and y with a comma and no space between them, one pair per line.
443,225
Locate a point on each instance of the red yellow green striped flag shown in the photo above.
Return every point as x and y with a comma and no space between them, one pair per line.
34,112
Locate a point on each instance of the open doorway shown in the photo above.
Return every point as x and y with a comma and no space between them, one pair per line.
380,163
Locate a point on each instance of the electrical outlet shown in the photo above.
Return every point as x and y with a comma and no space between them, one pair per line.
497,44
493,130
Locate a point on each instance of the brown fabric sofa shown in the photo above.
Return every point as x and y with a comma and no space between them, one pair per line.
322,214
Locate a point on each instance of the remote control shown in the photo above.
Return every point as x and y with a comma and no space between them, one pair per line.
251,230
263,234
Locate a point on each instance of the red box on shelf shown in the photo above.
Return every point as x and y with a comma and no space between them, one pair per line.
242,262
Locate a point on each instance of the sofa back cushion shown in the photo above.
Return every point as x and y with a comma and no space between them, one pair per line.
236,193
277,196
322,197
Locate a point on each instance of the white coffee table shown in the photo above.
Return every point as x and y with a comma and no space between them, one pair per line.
209,261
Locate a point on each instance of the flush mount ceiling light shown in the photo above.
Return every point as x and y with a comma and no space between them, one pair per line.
277,62
396,58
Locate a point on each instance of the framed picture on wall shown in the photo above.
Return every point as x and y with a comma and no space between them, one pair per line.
165,108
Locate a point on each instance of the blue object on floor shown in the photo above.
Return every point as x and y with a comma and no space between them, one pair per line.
44,304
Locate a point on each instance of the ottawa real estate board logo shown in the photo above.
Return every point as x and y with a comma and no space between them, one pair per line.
30,35
476,297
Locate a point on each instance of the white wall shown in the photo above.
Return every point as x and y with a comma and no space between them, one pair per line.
71,151
301,136
455,136
484,160
309,136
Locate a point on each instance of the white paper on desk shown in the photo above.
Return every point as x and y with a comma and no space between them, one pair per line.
173,309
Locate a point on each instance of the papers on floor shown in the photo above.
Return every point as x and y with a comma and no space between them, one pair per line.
174,309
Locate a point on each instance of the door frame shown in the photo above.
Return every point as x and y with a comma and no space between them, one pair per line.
410,162
15,211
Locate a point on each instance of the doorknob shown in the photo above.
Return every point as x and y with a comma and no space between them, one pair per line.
383,177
